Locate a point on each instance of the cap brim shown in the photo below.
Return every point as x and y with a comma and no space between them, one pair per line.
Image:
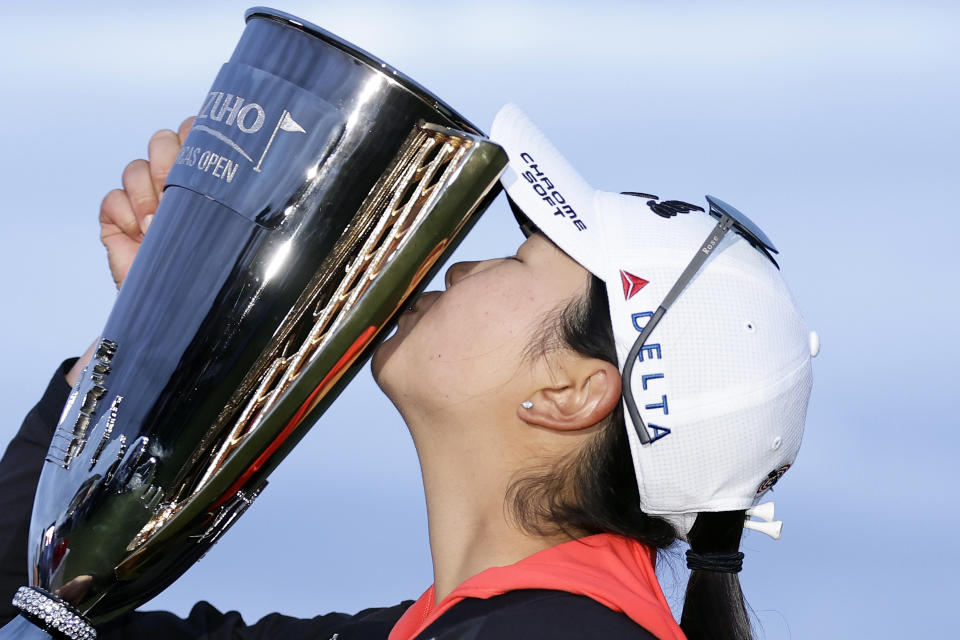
547,190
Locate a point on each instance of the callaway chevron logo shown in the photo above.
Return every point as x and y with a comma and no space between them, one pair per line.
666,209
631,284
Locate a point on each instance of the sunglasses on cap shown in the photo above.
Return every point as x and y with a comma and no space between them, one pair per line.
728,217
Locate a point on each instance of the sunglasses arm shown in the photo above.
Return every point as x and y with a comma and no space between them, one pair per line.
716,235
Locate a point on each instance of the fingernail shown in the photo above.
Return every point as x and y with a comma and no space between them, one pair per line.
146,222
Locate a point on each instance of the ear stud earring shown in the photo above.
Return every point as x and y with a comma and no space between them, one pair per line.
526,404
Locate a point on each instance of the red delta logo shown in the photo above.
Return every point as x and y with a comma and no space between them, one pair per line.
631,284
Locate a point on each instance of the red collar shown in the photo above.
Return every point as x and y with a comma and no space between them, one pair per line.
616,571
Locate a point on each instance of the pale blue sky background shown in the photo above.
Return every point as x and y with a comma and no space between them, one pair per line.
833,125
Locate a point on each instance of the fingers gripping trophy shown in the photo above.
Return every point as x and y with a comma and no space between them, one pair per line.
317,189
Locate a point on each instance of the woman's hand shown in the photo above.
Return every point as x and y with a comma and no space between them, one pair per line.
126,214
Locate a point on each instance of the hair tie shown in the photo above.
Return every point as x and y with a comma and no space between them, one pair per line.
720,562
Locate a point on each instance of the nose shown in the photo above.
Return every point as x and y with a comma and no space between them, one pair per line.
461,270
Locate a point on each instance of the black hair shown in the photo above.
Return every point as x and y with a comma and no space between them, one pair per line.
713,606
595,489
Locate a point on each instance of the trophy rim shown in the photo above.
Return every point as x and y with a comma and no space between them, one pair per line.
367,58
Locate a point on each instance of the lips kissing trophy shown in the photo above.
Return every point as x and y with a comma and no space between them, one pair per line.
316,193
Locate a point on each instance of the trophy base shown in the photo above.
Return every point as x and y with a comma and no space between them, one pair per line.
44,616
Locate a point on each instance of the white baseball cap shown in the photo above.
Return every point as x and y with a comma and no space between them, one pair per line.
722,382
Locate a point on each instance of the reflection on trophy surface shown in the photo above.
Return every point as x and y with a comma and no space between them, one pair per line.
317,190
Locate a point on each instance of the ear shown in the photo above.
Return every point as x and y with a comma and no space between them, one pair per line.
589,393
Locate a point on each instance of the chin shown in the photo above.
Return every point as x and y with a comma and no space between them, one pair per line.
387,363
380,362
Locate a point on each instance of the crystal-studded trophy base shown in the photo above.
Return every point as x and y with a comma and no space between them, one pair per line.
52,614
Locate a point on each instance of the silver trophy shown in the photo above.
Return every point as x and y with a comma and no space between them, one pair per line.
319,188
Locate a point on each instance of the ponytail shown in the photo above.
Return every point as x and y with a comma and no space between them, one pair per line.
596,490
714,608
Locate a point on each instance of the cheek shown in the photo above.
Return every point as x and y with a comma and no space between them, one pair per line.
476,324
467,344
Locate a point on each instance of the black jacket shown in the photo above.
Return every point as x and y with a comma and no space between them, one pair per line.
530,613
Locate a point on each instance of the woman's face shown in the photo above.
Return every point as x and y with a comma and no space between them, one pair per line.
463,349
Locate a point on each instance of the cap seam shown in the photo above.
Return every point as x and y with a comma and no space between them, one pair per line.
741,395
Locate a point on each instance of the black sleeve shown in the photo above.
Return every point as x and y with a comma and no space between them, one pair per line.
20,470
206,623
19,473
